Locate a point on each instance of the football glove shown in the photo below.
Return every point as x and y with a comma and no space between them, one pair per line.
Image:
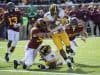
16,25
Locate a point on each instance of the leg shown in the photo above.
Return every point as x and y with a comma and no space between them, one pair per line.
51,65
91,25
28,59
14,42
10,39
99,28
73,45
8,52
67,59
9,44
42,66
58,42
66,41
12,49
95,27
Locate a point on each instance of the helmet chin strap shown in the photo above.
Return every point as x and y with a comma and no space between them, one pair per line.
11,10
73,27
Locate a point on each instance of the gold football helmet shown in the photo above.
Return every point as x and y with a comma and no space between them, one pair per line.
45,49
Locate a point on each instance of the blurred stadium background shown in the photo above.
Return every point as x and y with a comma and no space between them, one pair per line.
34,9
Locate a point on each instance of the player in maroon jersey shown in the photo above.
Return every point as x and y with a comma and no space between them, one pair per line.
1,22
36,39
13,21
1,16
74,29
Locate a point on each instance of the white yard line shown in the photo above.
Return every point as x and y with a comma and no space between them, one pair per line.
38,72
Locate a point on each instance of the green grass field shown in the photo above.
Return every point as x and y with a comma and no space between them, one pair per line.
87,60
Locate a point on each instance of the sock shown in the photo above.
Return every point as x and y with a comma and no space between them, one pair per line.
68,61
8,51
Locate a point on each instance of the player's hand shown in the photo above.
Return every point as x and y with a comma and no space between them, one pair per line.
83,39
57,22
49,34
16,25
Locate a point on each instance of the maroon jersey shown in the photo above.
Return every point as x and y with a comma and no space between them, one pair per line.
1,16
95,16
35,42
12,18
73,13
72,33
1,19
83,14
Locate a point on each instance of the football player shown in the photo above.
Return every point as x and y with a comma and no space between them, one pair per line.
13,21
74,29
49,57
1,16
36,39
53,17
1,22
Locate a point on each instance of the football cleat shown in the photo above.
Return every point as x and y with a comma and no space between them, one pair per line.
72,60
70,66
24,66
15,64
41,66
7,57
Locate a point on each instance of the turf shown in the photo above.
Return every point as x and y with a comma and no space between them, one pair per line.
87,59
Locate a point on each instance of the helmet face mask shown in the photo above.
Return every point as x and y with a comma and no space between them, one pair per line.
11,6
73,26
73,22
44,50
53,10
41,23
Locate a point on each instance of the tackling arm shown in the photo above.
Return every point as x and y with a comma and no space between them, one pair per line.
84,35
